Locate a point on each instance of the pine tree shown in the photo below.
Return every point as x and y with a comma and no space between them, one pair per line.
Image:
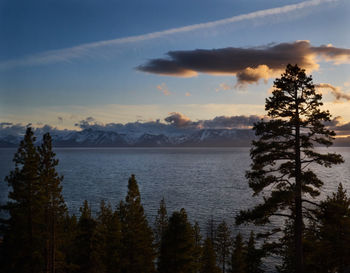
69,240
222,244
86,246
211,228
178,246
285,149
208,258
54,206
138,251
23,245
238,256
253,256
160,225
110,236
197,252
331,241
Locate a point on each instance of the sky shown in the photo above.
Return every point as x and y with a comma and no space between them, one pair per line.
125,61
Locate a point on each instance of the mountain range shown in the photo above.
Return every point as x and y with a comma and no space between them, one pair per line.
102,138
182,138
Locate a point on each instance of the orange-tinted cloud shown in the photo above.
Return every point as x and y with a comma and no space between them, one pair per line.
336,91
164,89
178,119
249,65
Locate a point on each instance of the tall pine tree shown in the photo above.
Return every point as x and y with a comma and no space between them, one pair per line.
177,253
53,204
160,224
23,244
87,258
222,244
110,239
138,252
284,151
208,258
238,256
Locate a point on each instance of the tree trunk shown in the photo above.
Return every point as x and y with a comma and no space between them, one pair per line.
298,223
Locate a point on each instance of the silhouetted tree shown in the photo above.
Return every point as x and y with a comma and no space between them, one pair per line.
238,256
160,225
69,230
178,246
253,256
330,242
211,228
197,245
53,204
208,259
110,236
138,252
285,149
23,243
222,244
86,245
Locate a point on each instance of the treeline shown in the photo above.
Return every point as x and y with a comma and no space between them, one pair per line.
39,235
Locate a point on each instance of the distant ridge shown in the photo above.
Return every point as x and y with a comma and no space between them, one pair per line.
191,138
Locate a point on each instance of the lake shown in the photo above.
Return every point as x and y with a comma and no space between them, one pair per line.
204,181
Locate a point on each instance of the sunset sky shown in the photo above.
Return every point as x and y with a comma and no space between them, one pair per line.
123,61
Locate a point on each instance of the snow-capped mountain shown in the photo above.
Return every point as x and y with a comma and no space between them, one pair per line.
101,138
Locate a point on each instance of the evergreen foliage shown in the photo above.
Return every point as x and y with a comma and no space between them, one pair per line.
54,206
197,253
253,256
329,235
178,246
110,236
222,244
208,258
160,224
86,244
24,248
285,149
138,251
238,256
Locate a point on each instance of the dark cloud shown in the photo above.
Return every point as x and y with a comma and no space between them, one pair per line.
60,119
249,65
231,122
86,123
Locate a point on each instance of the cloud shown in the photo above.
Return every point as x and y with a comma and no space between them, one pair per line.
188,94
224,86
87,123
178,120
336,91
241,122
174,122
249,65
60,119
18,129
164,89
69,54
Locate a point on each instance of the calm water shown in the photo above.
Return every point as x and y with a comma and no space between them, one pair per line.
205,181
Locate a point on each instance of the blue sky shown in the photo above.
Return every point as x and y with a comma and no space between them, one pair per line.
66,58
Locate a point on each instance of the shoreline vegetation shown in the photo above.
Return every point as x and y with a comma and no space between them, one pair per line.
40,236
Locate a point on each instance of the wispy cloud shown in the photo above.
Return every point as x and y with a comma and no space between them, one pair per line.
336,91
164,89
69,54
